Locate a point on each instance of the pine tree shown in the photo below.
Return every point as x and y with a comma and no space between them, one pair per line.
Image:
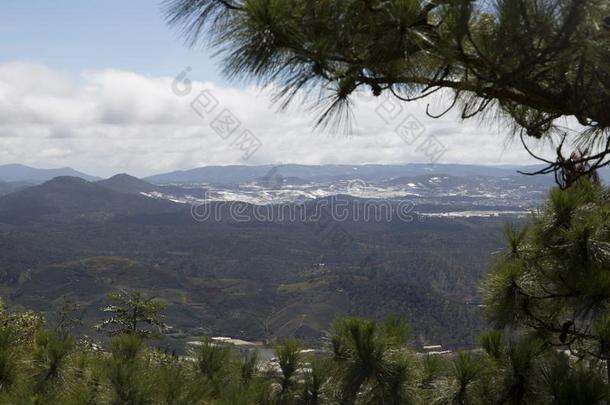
553,280
130,311
371,360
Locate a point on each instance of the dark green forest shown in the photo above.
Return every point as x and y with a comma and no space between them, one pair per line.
254,280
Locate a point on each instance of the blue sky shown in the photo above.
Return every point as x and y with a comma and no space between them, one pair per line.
78,35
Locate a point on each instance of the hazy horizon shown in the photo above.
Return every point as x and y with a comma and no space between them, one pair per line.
153,174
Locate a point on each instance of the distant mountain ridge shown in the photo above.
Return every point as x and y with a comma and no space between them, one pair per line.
239,174
23,173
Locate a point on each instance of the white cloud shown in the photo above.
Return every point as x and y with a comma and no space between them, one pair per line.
111,121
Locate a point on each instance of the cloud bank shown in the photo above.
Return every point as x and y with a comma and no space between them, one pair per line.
109,121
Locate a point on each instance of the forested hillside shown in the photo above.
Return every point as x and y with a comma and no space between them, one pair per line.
255,280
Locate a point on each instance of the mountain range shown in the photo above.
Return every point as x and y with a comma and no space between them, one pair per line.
324,173
240,174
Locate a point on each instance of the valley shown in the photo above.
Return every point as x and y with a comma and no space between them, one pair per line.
264,280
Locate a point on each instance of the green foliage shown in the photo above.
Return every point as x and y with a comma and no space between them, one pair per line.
8,358
491,342
289,360
551,292
248,365
365,363
174,383
573,384
314,380
50,353
125,371
370,358
130,309
554,280
432,369
465,374
23,325
214,363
